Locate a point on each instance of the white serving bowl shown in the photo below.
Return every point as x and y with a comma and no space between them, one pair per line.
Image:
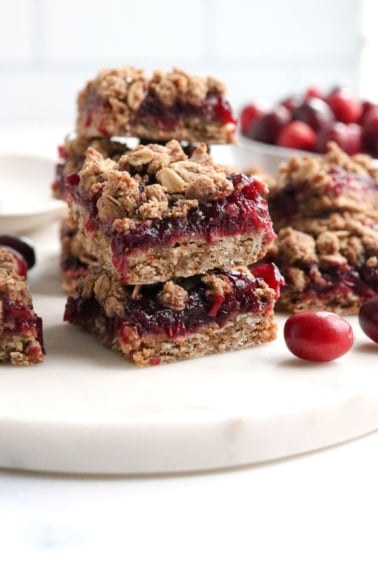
249,153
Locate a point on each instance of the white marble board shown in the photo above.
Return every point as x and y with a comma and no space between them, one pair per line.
86,410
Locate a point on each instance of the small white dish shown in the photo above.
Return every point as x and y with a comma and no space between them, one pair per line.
26,202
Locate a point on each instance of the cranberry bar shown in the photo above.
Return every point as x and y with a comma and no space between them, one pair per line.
330,263
156,214
181,318
325,209
128,102
21,339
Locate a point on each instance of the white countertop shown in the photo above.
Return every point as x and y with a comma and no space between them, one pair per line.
315,511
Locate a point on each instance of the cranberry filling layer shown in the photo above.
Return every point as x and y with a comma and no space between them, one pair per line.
243,211
148,316
339,281
94,108
19,318
152,112
213,108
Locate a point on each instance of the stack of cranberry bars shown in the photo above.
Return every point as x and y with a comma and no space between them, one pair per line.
165,243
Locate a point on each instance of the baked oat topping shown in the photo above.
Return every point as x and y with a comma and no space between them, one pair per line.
317,170
349,241
173,296
329,263
152,181
72,155
130,85
218,284
311,187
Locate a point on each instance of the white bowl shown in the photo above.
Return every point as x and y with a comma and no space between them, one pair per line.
249,153
26,202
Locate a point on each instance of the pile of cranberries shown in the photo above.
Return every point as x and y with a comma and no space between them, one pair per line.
22,251
321,336
312,119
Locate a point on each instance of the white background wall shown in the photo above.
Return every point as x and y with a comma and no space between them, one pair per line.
260,48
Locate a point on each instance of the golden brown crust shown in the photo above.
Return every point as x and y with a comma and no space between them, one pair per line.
240,332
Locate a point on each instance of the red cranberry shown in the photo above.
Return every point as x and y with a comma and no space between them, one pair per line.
314,112
294,101
22,245
366,107
297,135
313,91
62,153
345,104
267,127
271,275
368,318
290,102
223,111
250,113
348,137
319,336
370,132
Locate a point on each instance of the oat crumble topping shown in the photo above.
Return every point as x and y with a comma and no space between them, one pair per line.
152,181
316,171
130,86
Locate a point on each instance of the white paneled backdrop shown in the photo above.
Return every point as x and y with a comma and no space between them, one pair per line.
260,48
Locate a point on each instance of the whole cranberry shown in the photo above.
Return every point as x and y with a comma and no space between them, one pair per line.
366,107
297,135
345,104
319,336
348,137
368,318
313,91
369,135
290,102
315,112
267,127
250,112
